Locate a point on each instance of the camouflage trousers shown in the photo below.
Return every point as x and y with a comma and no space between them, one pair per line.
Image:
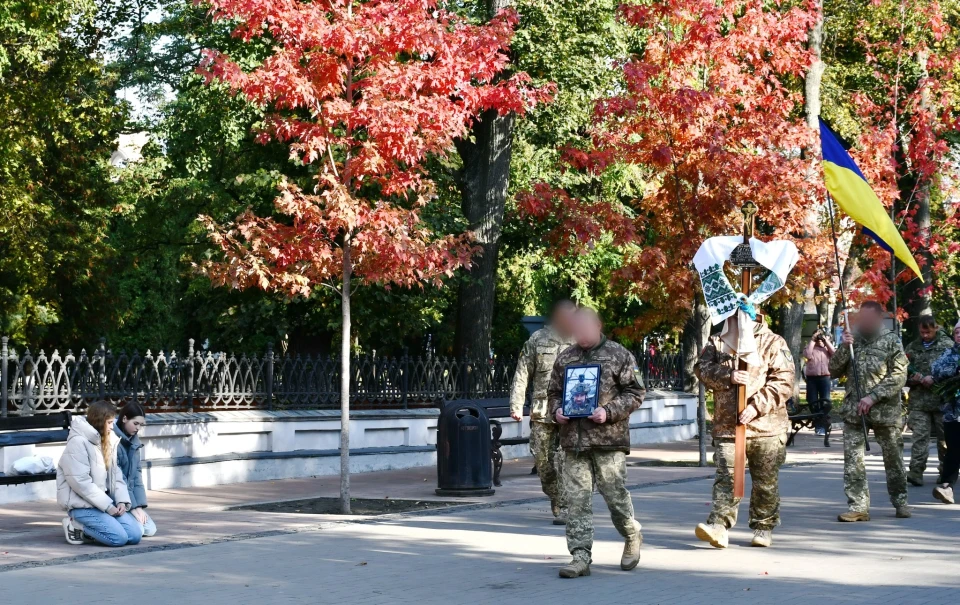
545,447
924,425
855,486
609,470
765,455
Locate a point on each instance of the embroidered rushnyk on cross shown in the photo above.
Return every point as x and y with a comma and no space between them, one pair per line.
779,257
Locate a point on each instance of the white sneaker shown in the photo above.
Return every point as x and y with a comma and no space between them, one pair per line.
943,493
71,532
714,533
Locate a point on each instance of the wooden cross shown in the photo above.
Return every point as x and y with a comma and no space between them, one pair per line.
742,257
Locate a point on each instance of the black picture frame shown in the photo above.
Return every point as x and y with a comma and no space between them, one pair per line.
581,390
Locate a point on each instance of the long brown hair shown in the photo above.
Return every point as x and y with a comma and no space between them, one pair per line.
98,413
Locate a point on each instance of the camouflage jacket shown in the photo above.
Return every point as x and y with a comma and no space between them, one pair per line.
621,392
536,363
882,368
923,399
945,368
770,385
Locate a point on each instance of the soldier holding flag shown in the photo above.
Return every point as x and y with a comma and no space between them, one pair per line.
881,368
873,360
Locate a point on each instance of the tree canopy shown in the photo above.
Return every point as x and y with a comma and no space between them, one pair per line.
663,118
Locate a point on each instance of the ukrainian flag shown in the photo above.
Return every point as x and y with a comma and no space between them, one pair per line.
853,194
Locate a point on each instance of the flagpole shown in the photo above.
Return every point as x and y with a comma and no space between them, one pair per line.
846,318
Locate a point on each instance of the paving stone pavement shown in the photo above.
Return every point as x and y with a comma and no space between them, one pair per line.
510,553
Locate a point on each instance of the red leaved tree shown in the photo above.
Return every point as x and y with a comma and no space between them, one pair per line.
905,108
711,115
366,90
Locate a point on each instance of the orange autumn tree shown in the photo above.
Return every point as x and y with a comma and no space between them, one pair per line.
710,115
898,75
366,91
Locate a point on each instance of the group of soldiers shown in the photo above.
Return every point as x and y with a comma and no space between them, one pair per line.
574,455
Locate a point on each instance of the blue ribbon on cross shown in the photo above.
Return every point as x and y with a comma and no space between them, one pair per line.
747,307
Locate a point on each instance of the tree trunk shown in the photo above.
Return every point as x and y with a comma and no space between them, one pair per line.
916,295
695,334
345,381
696,331
822,302
791,324
483,182
483,185
851,273
814,76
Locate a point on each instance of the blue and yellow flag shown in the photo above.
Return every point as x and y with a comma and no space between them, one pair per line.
853,194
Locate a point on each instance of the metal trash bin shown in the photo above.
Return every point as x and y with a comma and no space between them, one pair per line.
464,466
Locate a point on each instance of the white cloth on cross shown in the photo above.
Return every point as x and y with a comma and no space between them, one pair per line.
741,345
723,302
779,257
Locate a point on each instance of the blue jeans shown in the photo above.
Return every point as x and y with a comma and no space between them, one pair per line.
149,528
108,530
818,390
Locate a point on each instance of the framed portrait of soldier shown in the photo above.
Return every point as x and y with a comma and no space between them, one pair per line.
580,390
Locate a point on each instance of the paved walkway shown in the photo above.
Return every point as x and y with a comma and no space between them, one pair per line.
499,553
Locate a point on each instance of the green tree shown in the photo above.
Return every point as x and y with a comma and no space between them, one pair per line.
60,119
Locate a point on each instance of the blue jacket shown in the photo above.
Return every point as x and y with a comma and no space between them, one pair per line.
943,368
128,460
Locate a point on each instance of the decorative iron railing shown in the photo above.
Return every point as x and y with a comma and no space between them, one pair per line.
204,380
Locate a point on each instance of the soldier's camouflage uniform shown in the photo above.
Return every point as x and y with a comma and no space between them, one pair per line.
769,388
598,452
925,417
536,364
882,367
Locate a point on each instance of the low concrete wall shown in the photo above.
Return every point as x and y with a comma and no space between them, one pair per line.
202,449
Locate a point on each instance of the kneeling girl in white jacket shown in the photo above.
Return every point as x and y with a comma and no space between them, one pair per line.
90,487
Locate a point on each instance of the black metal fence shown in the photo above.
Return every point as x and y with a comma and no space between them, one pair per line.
204,380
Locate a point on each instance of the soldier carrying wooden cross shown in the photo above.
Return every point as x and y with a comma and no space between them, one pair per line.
751,372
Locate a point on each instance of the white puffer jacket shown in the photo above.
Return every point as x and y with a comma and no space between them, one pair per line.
83,481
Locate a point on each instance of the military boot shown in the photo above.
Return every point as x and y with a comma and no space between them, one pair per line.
575,568
762,537
631,549
915,480
943,493
852,516
903,512
714,533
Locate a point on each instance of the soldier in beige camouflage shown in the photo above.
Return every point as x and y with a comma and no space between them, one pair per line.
924,417
882,369
535,365
769,386
595,448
